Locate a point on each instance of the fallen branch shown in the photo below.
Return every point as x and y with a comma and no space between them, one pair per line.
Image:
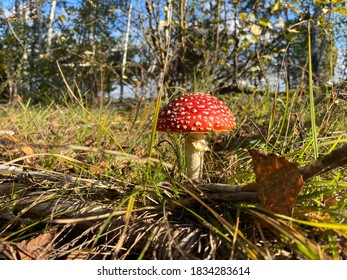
337,158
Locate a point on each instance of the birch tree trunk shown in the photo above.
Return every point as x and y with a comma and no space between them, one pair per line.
50,28
121,95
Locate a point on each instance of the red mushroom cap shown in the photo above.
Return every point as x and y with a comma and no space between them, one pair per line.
195,112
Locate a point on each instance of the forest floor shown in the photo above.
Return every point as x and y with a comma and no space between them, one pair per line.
78,183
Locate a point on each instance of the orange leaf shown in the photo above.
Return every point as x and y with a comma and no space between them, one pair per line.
278,182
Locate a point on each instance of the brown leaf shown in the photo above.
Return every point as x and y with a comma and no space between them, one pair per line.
38,247
278,181
28,151
15,147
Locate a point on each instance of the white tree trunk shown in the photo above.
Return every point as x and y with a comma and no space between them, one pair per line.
125,54
50,27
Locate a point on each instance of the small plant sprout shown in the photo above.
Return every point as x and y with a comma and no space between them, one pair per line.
195,114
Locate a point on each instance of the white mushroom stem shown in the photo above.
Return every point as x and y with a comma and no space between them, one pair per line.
195,146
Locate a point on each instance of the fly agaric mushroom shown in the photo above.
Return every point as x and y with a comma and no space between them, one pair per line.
195,114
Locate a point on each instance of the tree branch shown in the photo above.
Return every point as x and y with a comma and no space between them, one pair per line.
338,157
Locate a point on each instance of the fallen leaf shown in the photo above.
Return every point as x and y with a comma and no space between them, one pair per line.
38,247
15,147
278,182
28,151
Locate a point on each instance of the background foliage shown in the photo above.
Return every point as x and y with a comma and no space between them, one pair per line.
218,46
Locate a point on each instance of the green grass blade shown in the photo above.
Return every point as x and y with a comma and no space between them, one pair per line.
312,107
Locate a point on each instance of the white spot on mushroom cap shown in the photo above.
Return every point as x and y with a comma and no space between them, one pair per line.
198,124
